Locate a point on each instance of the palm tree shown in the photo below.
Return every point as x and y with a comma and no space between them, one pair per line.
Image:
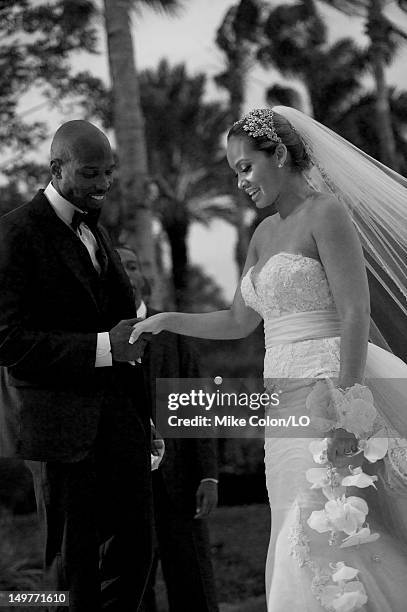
295,42
236,37
129,122
384,38
186,159
287,96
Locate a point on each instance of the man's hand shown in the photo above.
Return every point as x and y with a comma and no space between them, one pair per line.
206,498
119,341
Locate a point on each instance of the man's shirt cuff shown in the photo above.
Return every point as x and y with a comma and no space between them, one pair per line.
103,351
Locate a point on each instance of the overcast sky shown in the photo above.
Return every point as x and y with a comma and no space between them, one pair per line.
189,38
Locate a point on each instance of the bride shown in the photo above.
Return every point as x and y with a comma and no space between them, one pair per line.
338,500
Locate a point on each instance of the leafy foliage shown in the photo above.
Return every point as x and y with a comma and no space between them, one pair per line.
183,131
166,6
236,37
186,159
38,40
296,42
380,29
385,38
356,124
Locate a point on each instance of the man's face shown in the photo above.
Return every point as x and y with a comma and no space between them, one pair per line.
131,265
86,177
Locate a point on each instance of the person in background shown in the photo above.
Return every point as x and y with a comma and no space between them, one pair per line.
185,485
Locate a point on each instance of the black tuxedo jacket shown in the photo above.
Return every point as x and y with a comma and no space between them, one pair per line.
52,305
186,461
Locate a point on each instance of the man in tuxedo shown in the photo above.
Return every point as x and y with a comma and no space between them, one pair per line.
76,408
185,484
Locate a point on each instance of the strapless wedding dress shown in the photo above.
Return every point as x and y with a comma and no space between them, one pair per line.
302,339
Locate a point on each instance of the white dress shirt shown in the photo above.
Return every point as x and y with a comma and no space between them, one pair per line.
142,310
65,211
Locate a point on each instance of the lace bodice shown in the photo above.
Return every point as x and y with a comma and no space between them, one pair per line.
286,284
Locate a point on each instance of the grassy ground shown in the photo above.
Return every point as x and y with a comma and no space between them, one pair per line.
239,539
20,555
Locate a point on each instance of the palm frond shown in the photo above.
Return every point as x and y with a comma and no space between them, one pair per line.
171,7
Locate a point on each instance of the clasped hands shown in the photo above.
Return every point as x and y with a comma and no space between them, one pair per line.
129,337
151,325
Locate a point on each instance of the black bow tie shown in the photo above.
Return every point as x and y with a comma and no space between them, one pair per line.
90,218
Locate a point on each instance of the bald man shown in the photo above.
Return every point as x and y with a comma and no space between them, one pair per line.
79,414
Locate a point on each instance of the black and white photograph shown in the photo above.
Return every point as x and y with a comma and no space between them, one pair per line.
203,305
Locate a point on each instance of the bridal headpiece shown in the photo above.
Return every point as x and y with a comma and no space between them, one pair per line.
260,122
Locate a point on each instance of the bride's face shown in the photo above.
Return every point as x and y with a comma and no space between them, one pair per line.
256,171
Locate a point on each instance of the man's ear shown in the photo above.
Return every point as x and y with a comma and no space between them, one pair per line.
55,167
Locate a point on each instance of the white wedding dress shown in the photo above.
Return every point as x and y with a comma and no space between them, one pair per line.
292,295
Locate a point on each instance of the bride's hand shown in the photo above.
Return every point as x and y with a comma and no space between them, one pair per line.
343,449
151,325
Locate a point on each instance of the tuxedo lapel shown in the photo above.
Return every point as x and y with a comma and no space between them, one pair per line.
69,248
116,272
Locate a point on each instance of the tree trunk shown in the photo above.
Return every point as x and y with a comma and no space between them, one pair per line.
129,130
176,226
383,114
236,91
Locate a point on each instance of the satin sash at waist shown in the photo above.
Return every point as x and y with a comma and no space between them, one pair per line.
301,326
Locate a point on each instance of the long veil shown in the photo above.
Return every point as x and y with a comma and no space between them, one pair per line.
376,198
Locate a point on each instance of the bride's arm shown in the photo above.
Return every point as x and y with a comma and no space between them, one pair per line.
342,257
237,322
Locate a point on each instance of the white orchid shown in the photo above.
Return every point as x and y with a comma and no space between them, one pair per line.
376,447
352,599
348,597
319,450
343,572
352,410
355,410
343,514
319,477
347,513
363,536
359,479
319,521
326,479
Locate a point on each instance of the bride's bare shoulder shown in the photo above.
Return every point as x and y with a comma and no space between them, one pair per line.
325,206
264,231
324,201
329,216
267,225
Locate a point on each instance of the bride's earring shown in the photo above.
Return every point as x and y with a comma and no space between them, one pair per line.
280,165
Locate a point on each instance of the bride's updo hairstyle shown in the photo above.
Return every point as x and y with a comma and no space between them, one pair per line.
266,129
